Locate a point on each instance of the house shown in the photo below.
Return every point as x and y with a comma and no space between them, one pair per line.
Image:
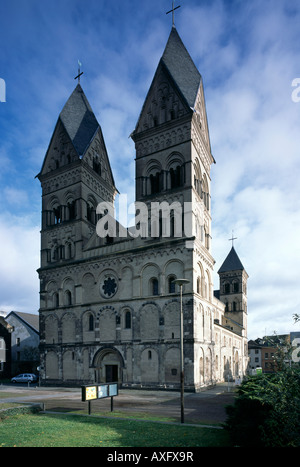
25,338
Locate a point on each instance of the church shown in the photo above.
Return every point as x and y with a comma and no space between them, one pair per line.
109,303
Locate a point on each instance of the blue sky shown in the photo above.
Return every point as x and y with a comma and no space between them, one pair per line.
248,54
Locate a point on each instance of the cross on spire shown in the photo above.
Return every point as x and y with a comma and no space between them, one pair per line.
173,14
79,73
232,239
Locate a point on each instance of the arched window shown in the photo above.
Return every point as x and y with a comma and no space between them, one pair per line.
91,213
171,284
97,165
207,237
172,226
154,286
71,210
68,298
235,287
127,320
57,215
91,322
56,300
198,178
68,250
155,183
176,177
198,285
205,192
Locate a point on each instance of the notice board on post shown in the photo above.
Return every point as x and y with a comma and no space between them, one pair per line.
99,391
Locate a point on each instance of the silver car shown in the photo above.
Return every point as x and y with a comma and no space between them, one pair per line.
24,378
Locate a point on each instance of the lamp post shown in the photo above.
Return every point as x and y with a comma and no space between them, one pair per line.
181,282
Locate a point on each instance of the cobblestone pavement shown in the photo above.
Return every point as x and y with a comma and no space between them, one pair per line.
207,407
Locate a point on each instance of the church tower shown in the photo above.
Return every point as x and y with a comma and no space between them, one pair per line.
233,292
173,151
173,162
75,177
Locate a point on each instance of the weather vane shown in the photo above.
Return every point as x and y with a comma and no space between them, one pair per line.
79,73
232,239
172,11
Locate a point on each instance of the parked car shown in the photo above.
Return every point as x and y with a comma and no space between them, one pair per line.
24,378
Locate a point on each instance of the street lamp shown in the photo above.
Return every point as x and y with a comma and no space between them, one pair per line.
181,282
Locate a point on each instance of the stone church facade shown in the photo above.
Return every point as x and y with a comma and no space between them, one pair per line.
109,309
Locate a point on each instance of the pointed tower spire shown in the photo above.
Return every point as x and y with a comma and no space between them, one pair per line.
177,66
181,67
231,263
79,120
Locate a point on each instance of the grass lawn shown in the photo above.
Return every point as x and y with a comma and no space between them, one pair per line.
5,395
52,430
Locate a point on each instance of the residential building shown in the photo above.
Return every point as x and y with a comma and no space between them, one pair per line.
24,335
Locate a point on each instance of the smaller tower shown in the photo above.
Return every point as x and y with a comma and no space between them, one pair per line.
233,293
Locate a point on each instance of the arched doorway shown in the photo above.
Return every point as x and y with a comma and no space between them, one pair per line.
108,364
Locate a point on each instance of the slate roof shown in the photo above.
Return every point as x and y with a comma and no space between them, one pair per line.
79,120
181,67
31,319
231,263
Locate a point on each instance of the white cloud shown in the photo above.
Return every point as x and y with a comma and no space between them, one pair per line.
16,197
20,242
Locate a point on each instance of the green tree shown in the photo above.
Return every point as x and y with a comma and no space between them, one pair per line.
266,412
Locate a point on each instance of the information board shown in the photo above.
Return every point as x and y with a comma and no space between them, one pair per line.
99,391
89,393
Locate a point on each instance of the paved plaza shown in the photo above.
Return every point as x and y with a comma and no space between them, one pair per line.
207,407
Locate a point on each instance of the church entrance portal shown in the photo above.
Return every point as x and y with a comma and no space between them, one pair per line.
108,365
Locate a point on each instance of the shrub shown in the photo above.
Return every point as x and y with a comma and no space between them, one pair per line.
266,412
21,409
